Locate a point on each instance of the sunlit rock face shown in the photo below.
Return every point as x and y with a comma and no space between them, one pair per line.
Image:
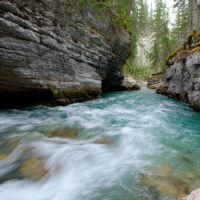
182,80
58,53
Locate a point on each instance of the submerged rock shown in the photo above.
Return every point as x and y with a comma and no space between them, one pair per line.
3,156
33,168
105,141
167,185
64,134
165,169
189,175
165,182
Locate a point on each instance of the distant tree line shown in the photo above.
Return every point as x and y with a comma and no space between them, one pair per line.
167,35
141,20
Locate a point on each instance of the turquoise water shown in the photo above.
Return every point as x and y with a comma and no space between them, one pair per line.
135,145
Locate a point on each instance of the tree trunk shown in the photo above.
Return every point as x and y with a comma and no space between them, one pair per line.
193,15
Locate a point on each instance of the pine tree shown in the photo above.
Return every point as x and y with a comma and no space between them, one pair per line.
161,42
192,6
180,28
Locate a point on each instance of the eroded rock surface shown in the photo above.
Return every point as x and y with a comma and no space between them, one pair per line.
182,76
182,80
58,52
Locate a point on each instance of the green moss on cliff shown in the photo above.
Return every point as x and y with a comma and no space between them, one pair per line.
191,45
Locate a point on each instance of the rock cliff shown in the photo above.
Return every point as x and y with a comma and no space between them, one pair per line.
182,76
57,52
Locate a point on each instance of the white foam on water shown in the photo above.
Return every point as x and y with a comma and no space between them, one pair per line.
136,123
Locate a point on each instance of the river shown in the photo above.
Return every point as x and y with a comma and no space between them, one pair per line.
135,145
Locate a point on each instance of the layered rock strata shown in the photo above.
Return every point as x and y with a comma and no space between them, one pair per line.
182,76
57,52
155,80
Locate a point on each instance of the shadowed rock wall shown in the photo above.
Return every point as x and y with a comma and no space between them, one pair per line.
58,53
182,76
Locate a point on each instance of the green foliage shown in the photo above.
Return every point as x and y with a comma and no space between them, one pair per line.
180,28
137,71
100,5
122,8
161,39
141,28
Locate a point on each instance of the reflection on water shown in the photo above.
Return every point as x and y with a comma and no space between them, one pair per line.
125,146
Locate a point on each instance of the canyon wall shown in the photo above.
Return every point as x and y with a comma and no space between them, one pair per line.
58,52
181,78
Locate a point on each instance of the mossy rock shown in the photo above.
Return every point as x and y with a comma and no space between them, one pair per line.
196,49
75,95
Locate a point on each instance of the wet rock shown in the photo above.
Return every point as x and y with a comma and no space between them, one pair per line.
165,182
161,89
155,81
130,84
182,76
164,170
33,168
